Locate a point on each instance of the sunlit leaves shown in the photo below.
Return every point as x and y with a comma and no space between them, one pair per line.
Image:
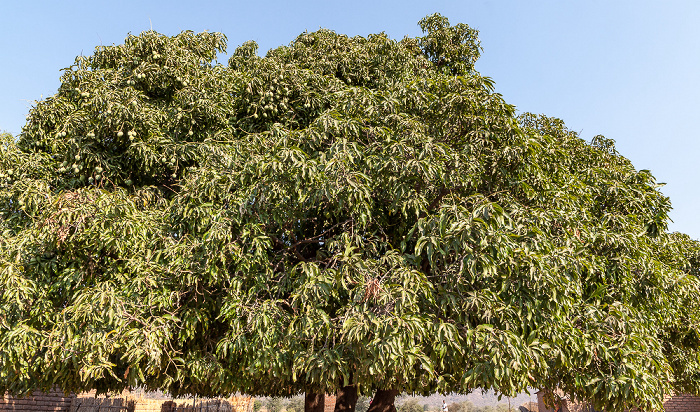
343,209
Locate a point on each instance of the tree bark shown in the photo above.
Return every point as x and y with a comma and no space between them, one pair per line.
314,402
383,401
346,399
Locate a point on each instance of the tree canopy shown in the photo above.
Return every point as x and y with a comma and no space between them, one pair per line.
343,211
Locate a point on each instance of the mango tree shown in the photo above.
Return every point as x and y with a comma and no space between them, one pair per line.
350,214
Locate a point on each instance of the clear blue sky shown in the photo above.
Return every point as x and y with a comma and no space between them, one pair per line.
629,70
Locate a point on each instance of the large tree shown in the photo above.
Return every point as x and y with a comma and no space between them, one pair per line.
350,214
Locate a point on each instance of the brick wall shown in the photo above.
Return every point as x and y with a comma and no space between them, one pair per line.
236,404
682,403
88,404
127,404
56,401
37,401
540,402
329,403
566,405
677,403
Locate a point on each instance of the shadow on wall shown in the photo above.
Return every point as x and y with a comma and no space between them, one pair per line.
210,405
57,401
38,401
102,404
234,404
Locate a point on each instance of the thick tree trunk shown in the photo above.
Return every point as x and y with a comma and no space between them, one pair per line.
314,402
383,401
346,399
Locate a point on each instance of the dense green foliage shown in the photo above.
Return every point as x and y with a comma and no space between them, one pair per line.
342,210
